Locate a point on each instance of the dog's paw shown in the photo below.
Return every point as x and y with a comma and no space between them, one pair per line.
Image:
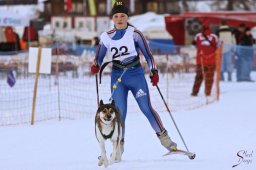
100,163
114,160
118,157
111,161
106,163
118,160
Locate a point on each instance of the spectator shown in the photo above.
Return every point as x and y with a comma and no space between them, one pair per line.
2,39
226,36
206,43
30,35
12,39
95,41
17,43
239,32
2,35
10,35
245,56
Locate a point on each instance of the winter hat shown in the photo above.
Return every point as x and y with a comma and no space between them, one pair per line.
205,26
206,29
119,8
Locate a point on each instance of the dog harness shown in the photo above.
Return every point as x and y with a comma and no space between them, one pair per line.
123,45
118,65
109,135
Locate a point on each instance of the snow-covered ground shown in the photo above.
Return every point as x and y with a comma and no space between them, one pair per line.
222,134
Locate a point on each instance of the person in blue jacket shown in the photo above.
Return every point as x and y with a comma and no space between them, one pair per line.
124,42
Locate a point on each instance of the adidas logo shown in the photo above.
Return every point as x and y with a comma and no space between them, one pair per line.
140,93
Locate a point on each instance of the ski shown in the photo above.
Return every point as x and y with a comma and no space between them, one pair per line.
181,152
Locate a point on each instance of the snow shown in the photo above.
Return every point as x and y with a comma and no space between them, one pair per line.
215,132
203,7
28,11
153,26
149,19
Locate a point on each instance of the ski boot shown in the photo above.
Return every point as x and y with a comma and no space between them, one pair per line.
166,141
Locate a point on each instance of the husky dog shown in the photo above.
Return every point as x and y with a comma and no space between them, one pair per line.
108,125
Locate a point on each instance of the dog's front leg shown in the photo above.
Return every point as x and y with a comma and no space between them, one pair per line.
118,152
120,148
113,155
103,159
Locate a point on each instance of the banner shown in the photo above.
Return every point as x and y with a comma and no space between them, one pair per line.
113,2
45,62
11,79
10,19
68,5
92,7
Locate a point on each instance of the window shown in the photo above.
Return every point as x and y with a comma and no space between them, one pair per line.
57,24
152,6
73,7
48,8
102,8
172,7
65,24
80,25
161,8
79,7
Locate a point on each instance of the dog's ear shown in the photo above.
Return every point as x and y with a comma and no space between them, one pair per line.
113,103
101,103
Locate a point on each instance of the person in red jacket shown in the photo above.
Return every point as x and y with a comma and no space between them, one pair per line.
30,35
206,43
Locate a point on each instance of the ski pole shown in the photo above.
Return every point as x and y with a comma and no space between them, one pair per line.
172,117
97,89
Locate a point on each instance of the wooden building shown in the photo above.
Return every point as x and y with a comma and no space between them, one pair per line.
103,7
18,2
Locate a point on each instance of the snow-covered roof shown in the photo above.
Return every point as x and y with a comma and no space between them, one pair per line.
151,24
147,20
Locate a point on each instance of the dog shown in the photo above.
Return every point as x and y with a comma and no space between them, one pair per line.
108,125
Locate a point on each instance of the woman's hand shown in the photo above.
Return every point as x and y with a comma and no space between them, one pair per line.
95,69
154,77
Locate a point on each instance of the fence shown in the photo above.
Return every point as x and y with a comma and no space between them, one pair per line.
69,92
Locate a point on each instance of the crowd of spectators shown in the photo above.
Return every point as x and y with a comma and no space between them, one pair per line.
237,51
11,41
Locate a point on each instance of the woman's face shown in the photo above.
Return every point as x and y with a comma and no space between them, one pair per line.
120,20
